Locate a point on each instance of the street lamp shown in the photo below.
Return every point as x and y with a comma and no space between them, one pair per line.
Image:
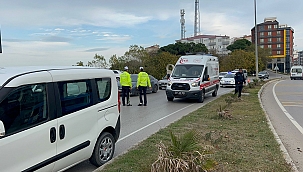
256,41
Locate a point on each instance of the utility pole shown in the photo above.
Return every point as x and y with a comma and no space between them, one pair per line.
182,21
197,19
256,40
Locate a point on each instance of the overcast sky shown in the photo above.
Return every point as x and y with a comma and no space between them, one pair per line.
63,32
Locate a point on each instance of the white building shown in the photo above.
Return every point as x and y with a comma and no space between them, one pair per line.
212,42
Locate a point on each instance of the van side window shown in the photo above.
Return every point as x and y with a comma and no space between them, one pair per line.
104,88
75,95
24,107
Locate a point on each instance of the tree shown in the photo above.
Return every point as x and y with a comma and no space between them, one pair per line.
98,61
180,48
240,44
80,63
156,65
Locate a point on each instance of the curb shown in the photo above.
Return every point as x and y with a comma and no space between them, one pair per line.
282,147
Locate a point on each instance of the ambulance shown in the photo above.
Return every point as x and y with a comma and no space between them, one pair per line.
193,77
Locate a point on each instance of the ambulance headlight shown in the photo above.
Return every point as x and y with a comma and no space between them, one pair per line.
195,84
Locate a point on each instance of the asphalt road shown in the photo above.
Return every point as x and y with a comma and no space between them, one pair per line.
283,102
139,122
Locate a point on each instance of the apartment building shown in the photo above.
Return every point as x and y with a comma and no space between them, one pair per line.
280,39
212,42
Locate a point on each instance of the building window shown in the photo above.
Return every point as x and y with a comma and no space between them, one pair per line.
278,45
269,33
268,46
287,45
261,27
269,39
262,46
219,40
278,39
287,52
268,26
278,32
261,33
275,26
287,39
278,52
262,40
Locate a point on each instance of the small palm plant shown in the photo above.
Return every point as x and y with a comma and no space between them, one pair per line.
182,155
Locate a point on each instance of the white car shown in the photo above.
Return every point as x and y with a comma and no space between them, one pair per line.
53,118
117,73
222,74
228,80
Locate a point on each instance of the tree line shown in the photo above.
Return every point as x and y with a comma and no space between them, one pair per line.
155,62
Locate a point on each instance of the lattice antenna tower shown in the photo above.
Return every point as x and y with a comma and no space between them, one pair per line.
197,18
182,21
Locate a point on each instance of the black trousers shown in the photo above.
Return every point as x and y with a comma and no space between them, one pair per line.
142,91
125,93
238,89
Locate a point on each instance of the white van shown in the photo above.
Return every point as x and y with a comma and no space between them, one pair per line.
296,72
53,118
193,77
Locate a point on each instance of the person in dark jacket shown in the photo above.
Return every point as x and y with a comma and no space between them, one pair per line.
239,80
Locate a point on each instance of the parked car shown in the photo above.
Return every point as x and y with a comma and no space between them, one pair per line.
243,70
222,74
263,75
117,73
53,118
228,80
163,83
133,92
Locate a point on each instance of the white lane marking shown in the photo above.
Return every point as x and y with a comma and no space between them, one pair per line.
153,123
296,124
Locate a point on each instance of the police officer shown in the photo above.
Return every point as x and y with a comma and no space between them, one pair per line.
126,83
239,80
142,82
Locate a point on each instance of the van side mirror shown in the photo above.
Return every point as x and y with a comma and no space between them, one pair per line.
2,129
206,78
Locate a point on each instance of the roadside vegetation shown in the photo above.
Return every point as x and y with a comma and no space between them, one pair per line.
225,135
155,61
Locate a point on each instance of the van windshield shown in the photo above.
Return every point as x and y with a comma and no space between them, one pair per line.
296,70
187,71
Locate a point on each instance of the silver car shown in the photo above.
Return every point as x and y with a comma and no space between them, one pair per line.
163,83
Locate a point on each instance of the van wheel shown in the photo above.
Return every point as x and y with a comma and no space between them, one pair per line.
214,94
104,149
170,98
201,98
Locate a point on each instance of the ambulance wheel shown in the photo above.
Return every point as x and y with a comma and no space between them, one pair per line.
170,98
214,94
201,98
155,88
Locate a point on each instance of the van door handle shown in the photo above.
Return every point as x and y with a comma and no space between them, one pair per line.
61,132
52,134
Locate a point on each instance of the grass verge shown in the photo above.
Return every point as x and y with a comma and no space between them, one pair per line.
241,142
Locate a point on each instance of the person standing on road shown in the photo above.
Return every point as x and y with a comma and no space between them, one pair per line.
239,81
143,82
126,83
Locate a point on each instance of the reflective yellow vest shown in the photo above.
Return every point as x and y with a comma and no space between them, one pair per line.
125,79
143,80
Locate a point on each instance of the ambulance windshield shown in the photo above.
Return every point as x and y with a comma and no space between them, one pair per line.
187,71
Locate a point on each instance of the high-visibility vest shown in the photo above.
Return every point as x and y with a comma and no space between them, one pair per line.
143,80
125,79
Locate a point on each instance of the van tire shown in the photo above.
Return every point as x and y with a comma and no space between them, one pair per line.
99,156
202,97
214,94
170,99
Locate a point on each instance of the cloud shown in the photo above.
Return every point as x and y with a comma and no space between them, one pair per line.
108,36
96,49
